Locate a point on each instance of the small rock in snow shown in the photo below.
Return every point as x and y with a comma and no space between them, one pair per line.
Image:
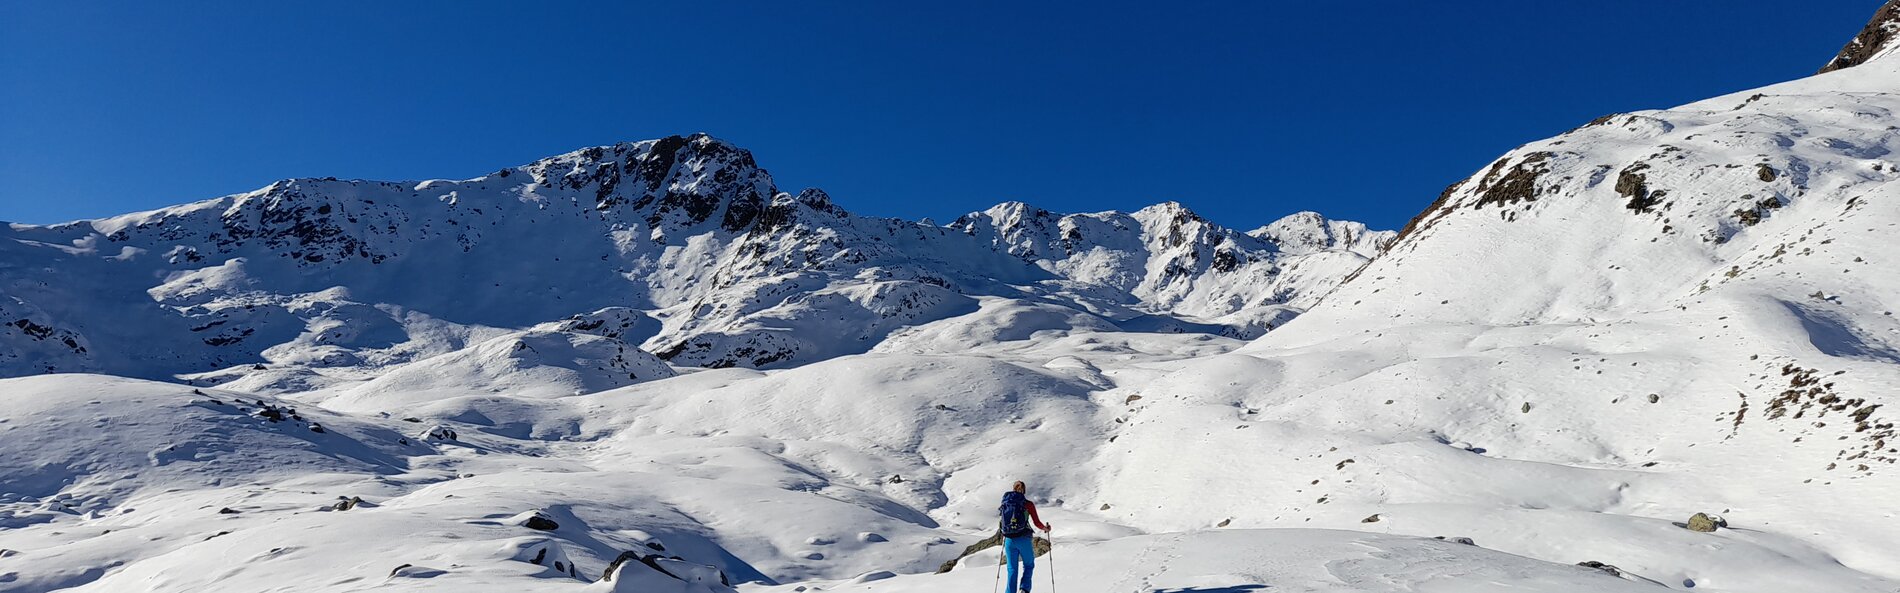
876,575
540,522
1613,570
1705,523
416,572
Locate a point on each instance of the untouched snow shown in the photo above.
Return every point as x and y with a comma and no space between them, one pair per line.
645,353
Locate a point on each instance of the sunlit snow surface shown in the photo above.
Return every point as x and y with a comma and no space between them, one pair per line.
1562,360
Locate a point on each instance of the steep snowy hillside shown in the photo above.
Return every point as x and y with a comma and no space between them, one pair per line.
310,283
1596,336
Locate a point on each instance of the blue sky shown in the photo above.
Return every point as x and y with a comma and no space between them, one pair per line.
1244,111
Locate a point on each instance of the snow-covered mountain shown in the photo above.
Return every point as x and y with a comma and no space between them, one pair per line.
312,281
1598,334
1534,387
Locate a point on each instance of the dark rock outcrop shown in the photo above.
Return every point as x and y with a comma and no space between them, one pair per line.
996,539
1608,568
1878,35
540,522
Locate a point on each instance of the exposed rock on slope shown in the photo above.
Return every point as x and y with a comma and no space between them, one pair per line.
1875,39
1171,257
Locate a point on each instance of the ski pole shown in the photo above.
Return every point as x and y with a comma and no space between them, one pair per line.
1052,560
997,587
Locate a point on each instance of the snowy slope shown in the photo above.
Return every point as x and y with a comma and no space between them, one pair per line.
1559,362
165,489
1657,314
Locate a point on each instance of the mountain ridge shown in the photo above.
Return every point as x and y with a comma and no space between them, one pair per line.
688,229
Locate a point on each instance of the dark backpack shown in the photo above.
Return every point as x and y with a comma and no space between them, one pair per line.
1015,515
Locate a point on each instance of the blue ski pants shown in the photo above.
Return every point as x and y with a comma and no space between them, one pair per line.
1020,550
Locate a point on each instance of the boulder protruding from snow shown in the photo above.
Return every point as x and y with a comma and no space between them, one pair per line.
643,573
541,551
537,521
1705,523
995,539
412,571
1608,568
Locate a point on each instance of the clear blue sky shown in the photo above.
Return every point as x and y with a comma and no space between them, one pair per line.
1244,111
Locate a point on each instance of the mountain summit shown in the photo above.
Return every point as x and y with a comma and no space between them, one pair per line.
685,241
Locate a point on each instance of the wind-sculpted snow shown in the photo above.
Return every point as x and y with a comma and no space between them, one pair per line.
525,364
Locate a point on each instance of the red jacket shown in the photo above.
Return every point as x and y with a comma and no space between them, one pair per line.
1032,515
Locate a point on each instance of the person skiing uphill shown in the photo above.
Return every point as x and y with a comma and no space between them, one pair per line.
1019,542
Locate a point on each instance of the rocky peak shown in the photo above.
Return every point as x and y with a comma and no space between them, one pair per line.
816,199
1006,218
1023,230
1169,208
672,183
1875,39
1309,232
812,205
1175,225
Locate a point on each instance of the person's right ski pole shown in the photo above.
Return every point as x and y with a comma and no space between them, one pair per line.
1052,561
1000,557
